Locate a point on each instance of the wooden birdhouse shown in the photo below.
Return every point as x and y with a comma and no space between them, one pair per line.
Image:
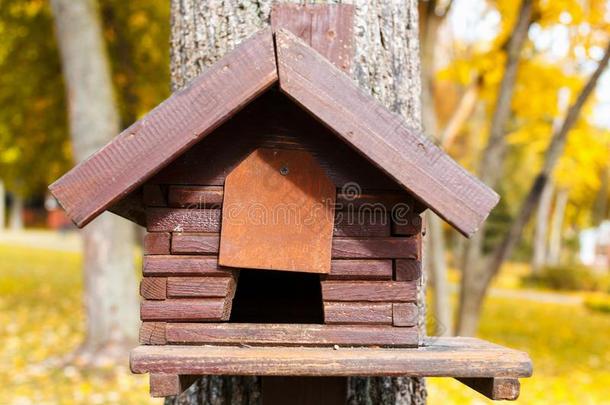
283,208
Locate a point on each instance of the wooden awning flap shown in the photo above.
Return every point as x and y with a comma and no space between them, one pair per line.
321,88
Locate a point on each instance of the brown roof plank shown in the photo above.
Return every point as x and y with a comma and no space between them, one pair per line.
172,127
382,136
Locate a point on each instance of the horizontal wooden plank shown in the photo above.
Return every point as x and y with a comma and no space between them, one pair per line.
178,287
365,223
195,243
380,291
498,389
407,269
406,224
152,333
440,357
404,314
356,313
362,269
153,288
195,196
182,220
157,243
202,309
376,248
164,133
408,156
166,265
289,334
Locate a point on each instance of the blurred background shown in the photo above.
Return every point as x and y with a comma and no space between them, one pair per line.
515,91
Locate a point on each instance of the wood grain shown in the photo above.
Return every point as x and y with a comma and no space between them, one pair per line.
289,334
152,333
404,314
440,357
383,137
164,385
361,223
195,196
179,287
196,243
380,291
357,313
326,28
498,389
375,248
278,213
157,243
184,266
182,220
208,309
407,269
407,225
171,128
360,270
153,288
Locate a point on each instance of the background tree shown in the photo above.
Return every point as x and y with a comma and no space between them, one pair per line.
110,282
386,63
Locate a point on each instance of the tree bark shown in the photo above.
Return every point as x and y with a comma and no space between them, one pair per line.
551,157
561,201
543,213
386,64
110,284
16,216
490,171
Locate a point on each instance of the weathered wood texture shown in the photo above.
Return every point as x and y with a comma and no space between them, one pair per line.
209,309
498,389
326,28
404,314
157,243
440,357
370,291
360,270
278,213
407,269
358,313
407,156
153,288
153,333
180,287
195,196
168,130
164,385
376,248
290,334
363,222
184,265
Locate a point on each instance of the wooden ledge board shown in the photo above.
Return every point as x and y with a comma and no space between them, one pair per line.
441,357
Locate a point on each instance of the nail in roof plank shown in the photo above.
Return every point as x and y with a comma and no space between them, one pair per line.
168,130
382,136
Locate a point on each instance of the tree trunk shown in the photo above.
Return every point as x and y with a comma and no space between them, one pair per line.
561,201
490,171
386,63
16,216
543,213
2,206
110,294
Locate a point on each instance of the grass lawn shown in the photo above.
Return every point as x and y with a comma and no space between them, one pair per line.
41,317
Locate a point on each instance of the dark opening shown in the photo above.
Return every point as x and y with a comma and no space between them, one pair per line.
265,296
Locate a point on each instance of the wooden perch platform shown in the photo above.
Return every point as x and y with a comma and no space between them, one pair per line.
491,369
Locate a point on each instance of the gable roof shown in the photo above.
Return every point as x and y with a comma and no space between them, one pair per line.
189,115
